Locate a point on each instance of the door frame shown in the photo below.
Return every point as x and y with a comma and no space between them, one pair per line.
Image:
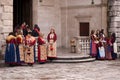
18,17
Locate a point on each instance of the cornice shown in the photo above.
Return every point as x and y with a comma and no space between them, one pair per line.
84,6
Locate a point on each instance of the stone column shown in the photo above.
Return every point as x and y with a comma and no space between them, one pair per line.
114,18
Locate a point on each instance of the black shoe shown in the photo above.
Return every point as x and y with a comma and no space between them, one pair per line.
30,64
41,62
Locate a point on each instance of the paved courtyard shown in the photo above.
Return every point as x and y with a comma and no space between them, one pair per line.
97,70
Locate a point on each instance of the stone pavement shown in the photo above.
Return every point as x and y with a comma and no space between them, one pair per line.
97,70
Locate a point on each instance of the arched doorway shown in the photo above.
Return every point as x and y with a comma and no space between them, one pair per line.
22,12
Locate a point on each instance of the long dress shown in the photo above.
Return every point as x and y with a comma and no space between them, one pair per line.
108,49
20,47
42,54
29,50
35,33
52,37
93,44
10,53
113,48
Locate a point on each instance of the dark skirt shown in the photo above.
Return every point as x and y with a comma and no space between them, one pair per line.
108,52
10,54
18,54
114,55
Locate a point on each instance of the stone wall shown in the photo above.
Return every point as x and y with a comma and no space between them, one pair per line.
6,18
6,15
64,15
49,15
75,11
114,19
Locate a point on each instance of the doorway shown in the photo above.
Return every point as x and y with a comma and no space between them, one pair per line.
84,29
22,12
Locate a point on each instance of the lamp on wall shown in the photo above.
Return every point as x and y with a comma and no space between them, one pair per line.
40,0
92,2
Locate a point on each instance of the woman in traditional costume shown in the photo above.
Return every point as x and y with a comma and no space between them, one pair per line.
102,36
23,29
52,37
36,31
108,49
10,54
93,44
20,46
29,51
101,50
98,33
42,54
113,46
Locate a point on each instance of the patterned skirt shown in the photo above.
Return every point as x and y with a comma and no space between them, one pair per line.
29,55
42,53
52,51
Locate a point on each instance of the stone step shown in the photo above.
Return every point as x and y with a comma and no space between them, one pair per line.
75,60
72,57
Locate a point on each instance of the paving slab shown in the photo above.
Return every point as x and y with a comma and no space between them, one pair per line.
97,70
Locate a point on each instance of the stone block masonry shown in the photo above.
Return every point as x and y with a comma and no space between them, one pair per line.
114,19
6,18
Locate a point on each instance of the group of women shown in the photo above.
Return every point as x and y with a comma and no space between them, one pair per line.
102,47
20,47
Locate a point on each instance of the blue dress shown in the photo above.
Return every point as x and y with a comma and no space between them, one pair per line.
11,56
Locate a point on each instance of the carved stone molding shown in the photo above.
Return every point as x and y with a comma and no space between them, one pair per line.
83,18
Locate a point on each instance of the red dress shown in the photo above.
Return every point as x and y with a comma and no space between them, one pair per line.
52,37
42,54
93,46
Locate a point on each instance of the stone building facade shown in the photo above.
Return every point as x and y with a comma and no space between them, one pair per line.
114,19
6,16
6,19
64,15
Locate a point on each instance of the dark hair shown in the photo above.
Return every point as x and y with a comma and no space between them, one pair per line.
11,33
102,31
92,32
29,33
27,26
113,35
36,26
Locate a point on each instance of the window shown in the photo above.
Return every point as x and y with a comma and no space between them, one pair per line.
84,29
